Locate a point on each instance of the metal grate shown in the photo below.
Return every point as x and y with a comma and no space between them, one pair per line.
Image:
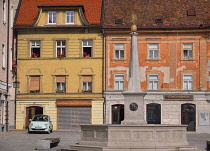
72,117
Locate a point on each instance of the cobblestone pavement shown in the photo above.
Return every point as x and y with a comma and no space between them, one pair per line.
22,141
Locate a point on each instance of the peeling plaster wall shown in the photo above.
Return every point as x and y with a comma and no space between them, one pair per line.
166,71
180,68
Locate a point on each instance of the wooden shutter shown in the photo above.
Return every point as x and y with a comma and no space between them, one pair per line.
61,79
35,84
87,79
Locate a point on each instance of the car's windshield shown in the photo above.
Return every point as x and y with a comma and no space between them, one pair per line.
40,118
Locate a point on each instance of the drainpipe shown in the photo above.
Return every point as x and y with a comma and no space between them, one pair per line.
104,76
8,69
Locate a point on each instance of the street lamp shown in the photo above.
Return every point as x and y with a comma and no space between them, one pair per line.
16,84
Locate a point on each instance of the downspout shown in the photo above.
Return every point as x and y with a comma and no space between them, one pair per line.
8,59
199,57
104,62
104,74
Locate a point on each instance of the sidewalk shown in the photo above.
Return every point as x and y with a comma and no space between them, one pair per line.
20,140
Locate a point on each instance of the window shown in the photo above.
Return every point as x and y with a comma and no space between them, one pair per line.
70,17
87,48
3,56
188,50
51,17
4,12
153,51
35,49
60,84
119,51
87,84
119,82
61,48
188,81
34,84
153,81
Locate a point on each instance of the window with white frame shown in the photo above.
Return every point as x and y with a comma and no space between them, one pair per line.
187,50
188,81
52,17
70,17
87,48
153,51
119,51
153,81
87,84
35,48
3,56
4,12
119,81
61,48
60,84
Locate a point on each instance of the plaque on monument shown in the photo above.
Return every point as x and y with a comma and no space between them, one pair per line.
133,106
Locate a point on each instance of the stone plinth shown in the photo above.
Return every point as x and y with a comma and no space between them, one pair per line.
133,138
134,108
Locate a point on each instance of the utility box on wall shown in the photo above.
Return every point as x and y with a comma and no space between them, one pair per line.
204,122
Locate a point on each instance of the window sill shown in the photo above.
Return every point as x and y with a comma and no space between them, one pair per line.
61,91
153,59
119,90
188,59
66,24
34,91
119,59
87,91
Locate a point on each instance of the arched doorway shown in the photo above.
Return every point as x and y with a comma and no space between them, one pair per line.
188,116
153,113
117,113
30,112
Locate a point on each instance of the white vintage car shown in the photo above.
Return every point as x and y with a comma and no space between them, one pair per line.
40,123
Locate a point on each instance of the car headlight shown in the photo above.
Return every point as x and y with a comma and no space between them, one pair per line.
46,125
31,124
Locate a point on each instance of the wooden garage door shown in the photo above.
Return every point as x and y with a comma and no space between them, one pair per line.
72,117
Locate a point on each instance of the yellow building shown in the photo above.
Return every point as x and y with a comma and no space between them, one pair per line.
59,62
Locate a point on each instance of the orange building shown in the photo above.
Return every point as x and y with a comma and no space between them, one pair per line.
173,46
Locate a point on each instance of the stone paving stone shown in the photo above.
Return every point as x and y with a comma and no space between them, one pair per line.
20,140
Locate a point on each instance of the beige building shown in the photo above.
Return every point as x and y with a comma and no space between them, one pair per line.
7,103
60,60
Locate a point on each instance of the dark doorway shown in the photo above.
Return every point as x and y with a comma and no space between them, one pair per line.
30,112
117,113
188,116
153,113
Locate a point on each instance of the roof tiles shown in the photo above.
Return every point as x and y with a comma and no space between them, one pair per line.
181,13
28,10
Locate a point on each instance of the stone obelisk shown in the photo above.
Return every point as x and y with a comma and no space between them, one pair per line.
134,96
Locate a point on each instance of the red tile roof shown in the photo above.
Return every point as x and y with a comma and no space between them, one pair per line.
28,10
173,13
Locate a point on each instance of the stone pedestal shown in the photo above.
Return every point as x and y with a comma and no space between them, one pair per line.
133,138
134,108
